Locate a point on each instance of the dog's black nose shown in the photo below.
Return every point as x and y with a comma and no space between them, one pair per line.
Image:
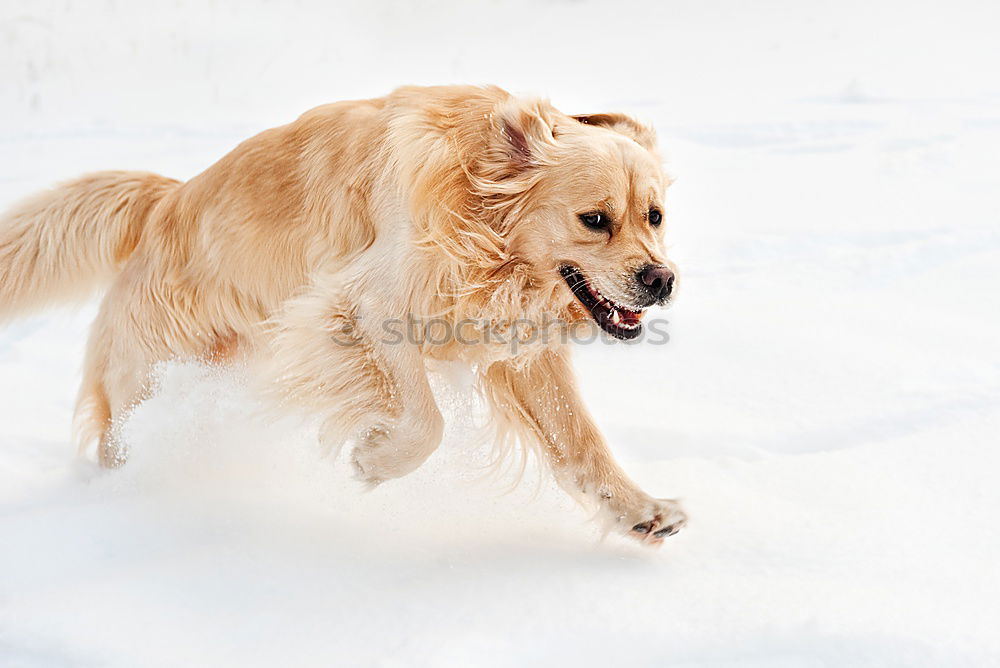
659,281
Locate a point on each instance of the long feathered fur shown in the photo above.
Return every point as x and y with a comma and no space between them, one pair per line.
62,244
294,250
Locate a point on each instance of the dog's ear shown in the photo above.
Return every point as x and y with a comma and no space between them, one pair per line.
525,131
622,124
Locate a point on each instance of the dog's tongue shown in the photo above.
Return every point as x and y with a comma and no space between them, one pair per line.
621,316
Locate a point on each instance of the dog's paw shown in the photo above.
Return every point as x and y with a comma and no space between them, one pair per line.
367,457
661,519
364,472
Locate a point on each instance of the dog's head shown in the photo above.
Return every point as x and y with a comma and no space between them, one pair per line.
584,200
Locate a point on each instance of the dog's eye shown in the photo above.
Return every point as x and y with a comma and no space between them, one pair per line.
655,217
595,220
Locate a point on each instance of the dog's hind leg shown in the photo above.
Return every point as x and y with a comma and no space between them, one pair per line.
367,388
121,351
141,322
103,398
92,417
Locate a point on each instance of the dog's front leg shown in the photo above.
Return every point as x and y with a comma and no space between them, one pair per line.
539,401
332,357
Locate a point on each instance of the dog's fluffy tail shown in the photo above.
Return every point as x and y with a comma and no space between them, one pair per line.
63,243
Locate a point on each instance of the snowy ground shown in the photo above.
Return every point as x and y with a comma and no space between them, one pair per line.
828,406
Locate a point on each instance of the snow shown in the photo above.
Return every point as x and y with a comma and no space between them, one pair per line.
828,404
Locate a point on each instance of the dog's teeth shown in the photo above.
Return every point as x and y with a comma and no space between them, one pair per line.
615,318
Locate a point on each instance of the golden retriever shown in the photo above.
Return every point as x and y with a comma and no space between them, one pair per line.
483,211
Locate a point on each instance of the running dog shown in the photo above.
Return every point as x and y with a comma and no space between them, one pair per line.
465,204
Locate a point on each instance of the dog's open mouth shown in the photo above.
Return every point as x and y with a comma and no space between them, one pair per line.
615,319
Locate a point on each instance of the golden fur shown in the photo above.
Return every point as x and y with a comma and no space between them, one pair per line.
458,203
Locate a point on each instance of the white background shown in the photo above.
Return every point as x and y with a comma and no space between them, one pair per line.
827,406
